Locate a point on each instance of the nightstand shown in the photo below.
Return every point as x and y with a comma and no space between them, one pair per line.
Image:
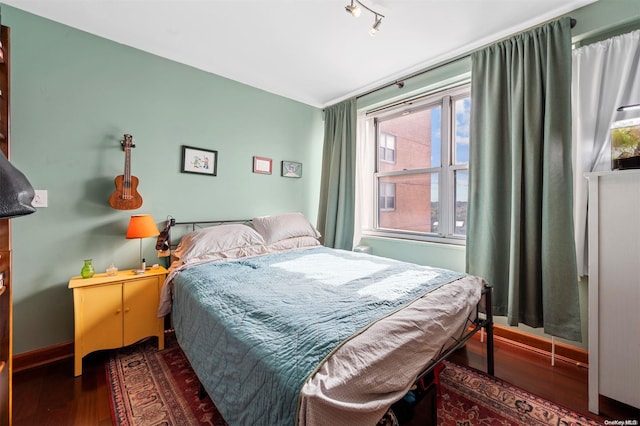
115,311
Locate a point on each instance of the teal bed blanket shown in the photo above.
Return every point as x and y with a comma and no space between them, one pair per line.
255,329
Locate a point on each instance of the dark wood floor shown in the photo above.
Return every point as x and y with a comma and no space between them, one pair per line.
50,395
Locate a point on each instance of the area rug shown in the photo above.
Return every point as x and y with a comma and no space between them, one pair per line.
469,397
150,387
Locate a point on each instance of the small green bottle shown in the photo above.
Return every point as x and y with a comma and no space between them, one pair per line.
87,270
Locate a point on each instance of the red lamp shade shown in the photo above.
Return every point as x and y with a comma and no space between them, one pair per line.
142,226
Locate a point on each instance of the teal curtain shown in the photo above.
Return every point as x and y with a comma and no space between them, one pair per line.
520,225
337,187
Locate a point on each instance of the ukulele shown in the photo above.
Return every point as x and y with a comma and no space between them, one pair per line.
126,196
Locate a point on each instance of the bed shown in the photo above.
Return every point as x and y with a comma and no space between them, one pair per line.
281,330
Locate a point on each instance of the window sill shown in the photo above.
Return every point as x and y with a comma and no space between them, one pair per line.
399,235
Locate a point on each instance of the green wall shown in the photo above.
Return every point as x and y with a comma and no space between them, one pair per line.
73,96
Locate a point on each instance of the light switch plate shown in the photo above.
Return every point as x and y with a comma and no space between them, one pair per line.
40,200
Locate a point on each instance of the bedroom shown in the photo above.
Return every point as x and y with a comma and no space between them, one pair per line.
73,152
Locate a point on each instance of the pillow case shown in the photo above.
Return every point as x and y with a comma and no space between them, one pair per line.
216,239
293,243
283,226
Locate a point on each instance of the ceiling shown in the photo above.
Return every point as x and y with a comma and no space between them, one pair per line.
311,51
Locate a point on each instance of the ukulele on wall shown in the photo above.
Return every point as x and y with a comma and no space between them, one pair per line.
126,196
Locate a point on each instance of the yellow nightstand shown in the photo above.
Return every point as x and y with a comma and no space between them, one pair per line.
115,311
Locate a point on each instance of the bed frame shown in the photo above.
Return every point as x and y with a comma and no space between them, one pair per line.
482,320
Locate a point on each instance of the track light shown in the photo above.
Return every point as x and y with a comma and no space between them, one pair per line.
355,10
629,107
376,26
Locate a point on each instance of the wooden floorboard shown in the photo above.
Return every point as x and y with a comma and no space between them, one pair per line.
50,395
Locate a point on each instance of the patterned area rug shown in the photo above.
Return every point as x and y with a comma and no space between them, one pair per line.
472,398
151,387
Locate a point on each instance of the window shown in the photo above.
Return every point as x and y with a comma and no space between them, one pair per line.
387,194
421,171
387,148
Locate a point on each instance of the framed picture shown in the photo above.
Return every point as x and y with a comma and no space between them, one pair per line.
262,165
291,169
199,161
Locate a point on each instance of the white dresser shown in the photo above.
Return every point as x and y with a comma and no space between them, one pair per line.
614,287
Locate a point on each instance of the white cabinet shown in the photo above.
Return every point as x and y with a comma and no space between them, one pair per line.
614,287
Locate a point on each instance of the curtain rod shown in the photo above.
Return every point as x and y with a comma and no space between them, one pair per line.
400,82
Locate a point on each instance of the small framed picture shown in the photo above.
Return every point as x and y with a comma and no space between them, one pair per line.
291,169
199,161
262,165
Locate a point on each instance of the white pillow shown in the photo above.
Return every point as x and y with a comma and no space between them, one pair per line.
287,225
293,243
216,239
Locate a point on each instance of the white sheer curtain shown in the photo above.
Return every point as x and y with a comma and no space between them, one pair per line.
365,153
605,76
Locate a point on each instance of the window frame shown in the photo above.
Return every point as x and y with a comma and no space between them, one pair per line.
446,170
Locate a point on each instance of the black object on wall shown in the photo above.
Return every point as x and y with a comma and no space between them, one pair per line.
16,193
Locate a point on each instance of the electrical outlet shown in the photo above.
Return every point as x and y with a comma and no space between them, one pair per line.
40,200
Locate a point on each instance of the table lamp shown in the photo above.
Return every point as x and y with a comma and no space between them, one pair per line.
142,226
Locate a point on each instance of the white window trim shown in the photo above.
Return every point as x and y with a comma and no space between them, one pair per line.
446,99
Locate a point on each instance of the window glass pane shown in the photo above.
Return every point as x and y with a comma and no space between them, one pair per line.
462,113
436,136
412,141
387,148
387,196
462,196
415,202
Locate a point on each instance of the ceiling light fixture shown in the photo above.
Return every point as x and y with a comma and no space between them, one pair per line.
355,10
376,26
629,107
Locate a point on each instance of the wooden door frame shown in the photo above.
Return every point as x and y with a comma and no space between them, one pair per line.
6,305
